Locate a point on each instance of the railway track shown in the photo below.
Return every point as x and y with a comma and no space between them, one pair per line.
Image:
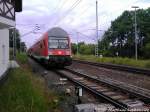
118,67
120,97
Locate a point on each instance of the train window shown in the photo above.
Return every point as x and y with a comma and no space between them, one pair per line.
63,43
59,43
53,43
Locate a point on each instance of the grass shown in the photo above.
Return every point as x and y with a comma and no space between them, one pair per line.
24,91
117,60
20,94
22,58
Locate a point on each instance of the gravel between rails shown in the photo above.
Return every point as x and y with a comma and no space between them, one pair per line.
52,79
142,81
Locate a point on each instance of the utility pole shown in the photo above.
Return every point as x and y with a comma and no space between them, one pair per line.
136,36
15,47
77,44
14,43
20,45
96,46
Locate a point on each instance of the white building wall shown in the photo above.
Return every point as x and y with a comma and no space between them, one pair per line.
4,51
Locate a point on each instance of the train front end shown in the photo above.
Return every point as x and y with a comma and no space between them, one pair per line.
59,47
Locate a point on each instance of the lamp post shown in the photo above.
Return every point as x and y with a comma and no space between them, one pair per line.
135,28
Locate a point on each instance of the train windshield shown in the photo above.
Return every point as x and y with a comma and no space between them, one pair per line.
58,43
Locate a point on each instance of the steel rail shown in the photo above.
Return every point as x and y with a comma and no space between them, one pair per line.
110,100
117,67
133,92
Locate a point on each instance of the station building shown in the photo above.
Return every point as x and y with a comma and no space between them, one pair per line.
7,21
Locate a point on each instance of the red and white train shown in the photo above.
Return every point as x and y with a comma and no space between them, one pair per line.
53,48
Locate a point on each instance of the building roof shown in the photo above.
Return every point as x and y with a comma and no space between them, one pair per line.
7,14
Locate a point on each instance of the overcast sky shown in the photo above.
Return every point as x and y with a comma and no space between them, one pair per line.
72,15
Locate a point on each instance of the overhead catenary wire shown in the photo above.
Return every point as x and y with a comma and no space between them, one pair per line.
80,33
120,9
63,4
55,10
30,25
68,11
109,21
76,3
59,6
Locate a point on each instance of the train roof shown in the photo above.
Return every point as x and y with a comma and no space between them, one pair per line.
57,32
53,32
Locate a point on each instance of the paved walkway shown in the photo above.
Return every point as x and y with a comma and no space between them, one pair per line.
14,64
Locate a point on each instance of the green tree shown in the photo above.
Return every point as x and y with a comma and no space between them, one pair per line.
147,50
86,49
119,38
11,35
74,48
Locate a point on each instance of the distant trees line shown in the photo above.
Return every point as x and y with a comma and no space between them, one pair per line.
119,39
83,48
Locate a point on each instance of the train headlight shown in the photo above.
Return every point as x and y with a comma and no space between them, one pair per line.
59,52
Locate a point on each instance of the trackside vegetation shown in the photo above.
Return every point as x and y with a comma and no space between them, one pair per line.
24,91
117,60
22,58
20,94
